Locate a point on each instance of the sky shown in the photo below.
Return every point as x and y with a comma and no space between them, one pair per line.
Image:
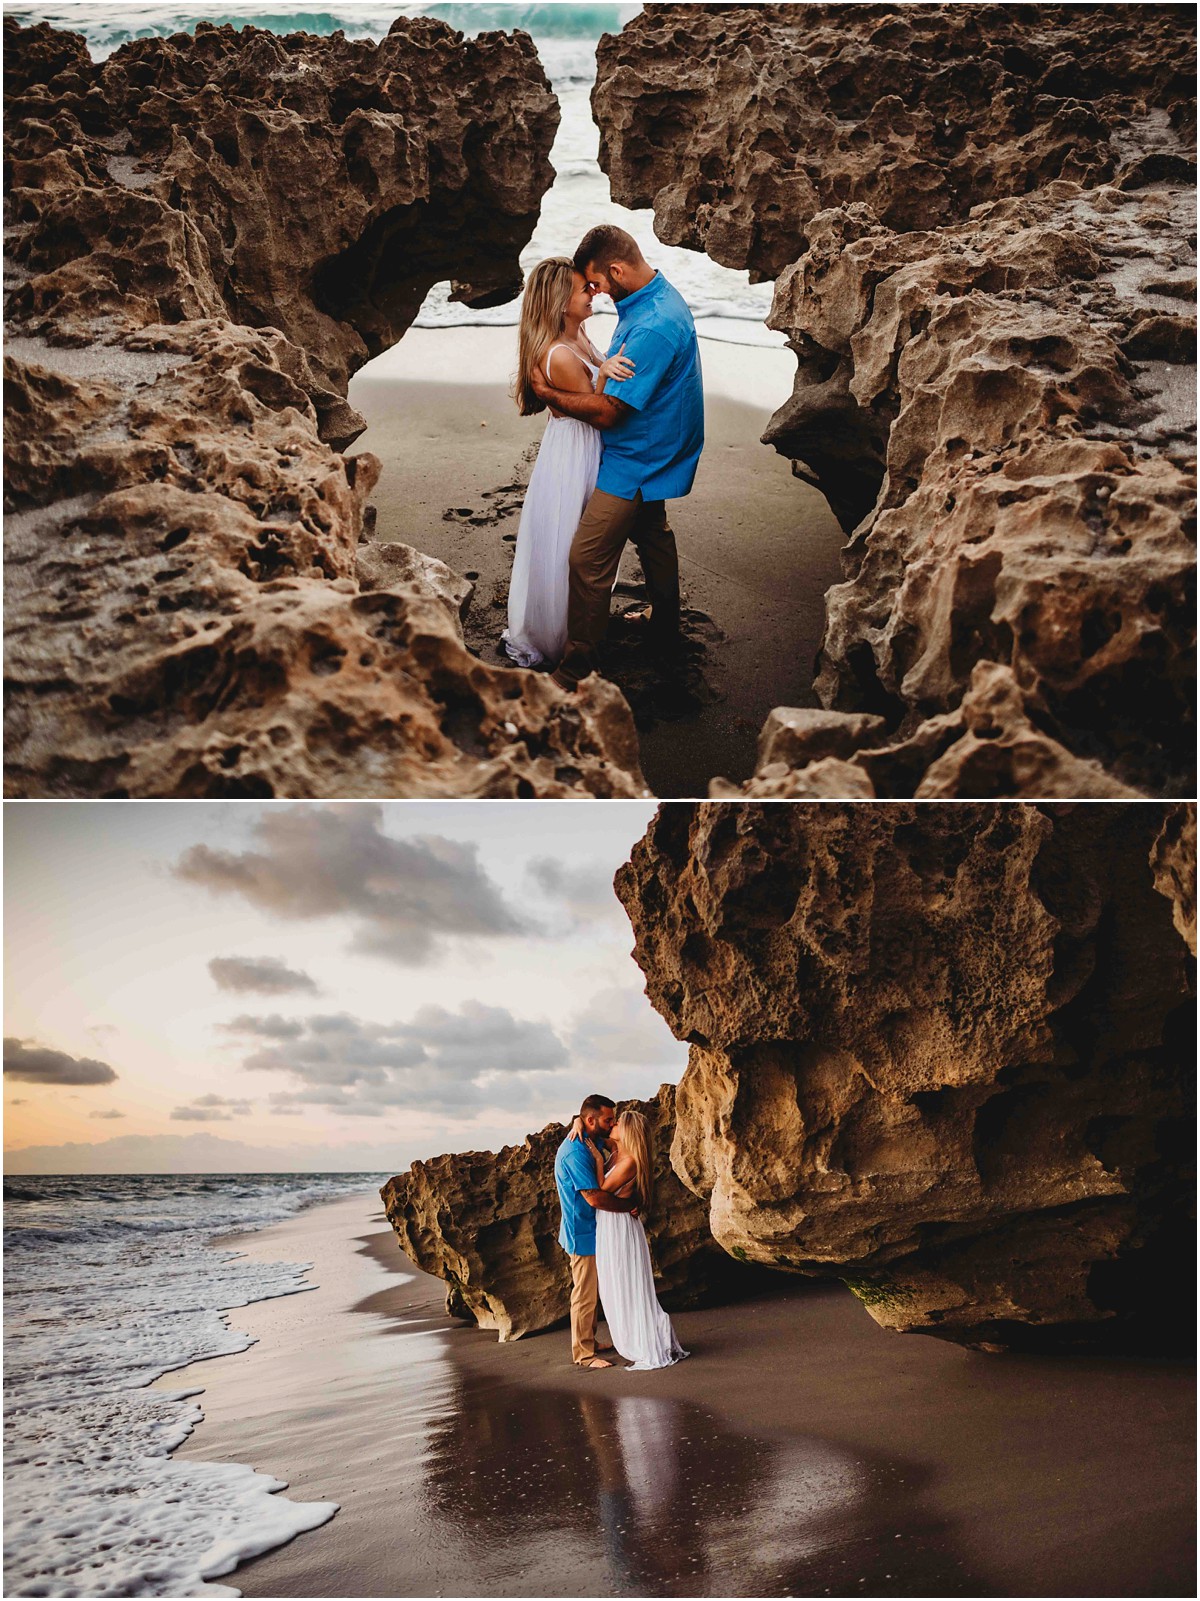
250,986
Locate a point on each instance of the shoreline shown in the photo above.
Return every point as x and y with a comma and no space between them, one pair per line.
758,548
871,1463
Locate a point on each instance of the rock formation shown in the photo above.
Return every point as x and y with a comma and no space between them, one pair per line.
206,237
980,223
942,1052
488,1225
1174,864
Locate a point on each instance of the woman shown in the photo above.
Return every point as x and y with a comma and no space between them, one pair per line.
558,301
640,1329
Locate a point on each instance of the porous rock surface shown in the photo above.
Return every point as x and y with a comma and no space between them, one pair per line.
943,1052
1174,863
980,220
488,1225
206,236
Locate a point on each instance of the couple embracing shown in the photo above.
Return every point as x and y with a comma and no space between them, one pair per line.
604,1173
624,435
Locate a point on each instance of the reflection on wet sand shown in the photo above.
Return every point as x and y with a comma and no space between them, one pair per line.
562,1494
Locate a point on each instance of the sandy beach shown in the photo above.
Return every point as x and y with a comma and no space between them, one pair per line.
801,1450
758,548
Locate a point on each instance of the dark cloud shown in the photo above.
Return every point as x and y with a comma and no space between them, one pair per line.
583,889
113,1113
405,896
438,1061
258,975
40,1065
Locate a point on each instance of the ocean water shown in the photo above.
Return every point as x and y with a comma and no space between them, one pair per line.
110,1282
725,304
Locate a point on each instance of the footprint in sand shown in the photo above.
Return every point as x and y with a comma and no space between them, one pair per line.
498,505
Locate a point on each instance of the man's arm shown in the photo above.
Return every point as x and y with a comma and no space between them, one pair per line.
604,1202
602,411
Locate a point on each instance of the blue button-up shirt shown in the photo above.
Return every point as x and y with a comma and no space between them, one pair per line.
656,445
575,1170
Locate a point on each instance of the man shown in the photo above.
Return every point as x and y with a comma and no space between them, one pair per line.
653,425
575,1176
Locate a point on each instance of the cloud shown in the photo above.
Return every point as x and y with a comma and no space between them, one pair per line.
619,1027
405,897
237,1105
258,975
113,1113
204,1152
273,1027
211,1109
438,1061
583,889
41,1065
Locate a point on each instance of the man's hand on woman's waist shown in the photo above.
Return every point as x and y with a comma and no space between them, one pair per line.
602,411
606,1201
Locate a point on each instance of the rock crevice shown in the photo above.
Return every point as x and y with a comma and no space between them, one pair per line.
980,221
207,235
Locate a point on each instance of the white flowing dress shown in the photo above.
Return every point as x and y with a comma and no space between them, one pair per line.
560,486
640,1329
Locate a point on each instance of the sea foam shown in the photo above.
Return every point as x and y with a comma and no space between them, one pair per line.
109,1283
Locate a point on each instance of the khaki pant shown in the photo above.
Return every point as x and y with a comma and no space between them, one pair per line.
585,1299
607,525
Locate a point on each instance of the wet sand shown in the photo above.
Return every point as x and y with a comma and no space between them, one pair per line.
758,547
802,1450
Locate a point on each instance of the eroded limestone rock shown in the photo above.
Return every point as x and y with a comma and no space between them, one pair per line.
383,565
980,221
184,612
488,1224
1174,864
942,1052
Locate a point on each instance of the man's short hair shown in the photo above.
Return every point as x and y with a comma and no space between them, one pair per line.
600,247
596,1103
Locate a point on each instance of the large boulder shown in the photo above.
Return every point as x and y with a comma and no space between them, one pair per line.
488,1224
942,1052
205,237
980,220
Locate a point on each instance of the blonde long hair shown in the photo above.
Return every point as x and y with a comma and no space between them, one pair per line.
543,311
633,1132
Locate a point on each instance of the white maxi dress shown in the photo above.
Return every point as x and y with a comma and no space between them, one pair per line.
560,486
640,1329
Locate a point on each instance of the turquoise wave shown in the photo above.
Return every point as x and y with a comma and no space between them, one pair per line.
542,21
107,27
